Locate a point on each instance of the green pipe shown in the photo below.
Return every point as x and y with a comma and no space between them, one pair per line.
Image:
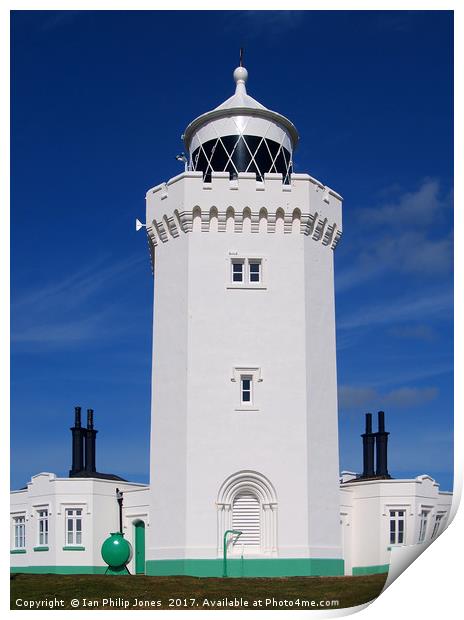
239,533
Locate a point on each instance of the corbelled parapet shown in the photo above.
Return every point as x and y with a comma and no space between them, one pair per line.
186,203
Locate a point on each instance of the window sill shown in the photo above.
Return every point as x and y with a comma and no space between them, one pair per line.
43,548
15,551
246,409
73,548
248,287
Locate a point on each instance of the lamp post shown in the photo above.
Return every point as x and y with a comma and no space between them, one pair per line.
226,533
119,499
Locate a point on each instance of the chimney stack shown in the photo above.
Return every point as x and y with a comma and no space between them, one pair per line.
368,449
382,445
90,435
77,444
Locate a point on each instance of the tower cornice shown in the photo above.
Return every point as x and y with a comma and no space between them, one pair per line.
187,204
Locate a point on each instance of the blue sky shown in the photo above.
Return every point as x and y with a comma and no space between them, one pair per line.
99,102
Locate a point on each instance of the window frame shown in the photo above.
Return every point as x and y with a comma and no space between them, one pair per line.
246,261
439,519
243,401
18,524
255,261
43,529
73,531
233,263
423,524
253,373
395,518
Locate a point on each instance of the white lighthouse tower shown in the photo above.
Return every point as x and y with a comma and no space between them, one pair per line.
244,390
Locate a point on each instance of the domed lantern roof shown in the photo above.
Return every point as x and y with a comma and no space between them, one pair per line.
241,135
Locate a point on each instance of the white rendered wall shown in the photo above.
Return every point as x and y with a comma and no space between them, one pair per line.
203,329
367,504
96,498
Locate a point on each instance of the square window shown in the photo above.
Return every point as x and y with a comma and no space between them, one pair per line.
246,271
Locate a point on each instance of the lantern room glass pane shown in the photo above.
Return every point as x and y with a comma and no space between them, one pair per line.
237,153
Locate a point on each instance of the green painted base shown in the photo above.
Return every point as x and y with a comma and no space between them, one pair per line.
371,570
60,570
278,567
123,570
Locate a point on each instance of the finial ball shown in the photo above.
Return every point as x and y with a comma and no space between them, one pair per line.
240,74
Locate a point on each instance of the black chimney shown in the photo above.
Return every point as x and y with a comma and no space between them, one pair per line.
382,445
368,449
90,434
77,444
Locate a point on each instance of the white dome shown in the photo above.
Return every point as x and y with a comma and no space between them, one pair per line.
241,135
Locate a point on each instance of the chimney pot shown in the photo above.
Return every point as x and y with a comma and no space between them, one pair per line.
77,417
368,422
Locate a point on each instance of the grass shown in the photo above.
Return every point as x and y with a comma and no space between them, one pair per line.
141,592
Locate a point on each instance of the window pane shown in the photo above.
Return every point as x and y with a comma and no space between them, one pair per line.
78,525
246,397
70,525
392,538
70,538
401,513
237,272
255,271
78,538
400,526
400,537
246,384
79,512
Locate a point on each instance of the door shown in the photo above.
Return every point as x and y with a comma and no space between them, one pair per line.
246,511
139,548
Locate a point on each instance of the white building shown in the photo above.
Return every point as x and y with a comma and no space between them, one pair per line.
244,389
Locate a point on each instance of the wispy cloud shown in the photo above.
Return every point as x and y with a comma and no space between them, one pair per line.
414,332
401,236
362,397
73,309
432,304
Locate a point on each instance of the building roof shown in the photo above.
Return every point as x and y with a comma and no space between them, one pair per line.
240,104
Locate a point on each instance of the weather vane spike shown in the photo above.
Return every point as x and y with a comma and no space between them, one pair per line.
241,56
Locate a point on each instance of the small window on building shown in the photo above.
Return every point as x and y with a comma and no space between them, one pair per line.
254,271
237,270
74,526
436,525
43,526
397,520
19,532
247,272
424,515
246,384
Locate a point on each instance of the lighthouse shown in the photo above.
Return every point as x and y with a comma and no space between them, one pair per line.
244,432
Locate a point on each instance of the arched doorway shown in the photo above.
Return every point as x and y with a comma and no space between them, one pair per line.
246,517
247,502
139,553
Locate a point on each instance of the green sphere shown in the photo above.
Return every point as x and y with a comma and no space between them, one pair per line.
116,550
